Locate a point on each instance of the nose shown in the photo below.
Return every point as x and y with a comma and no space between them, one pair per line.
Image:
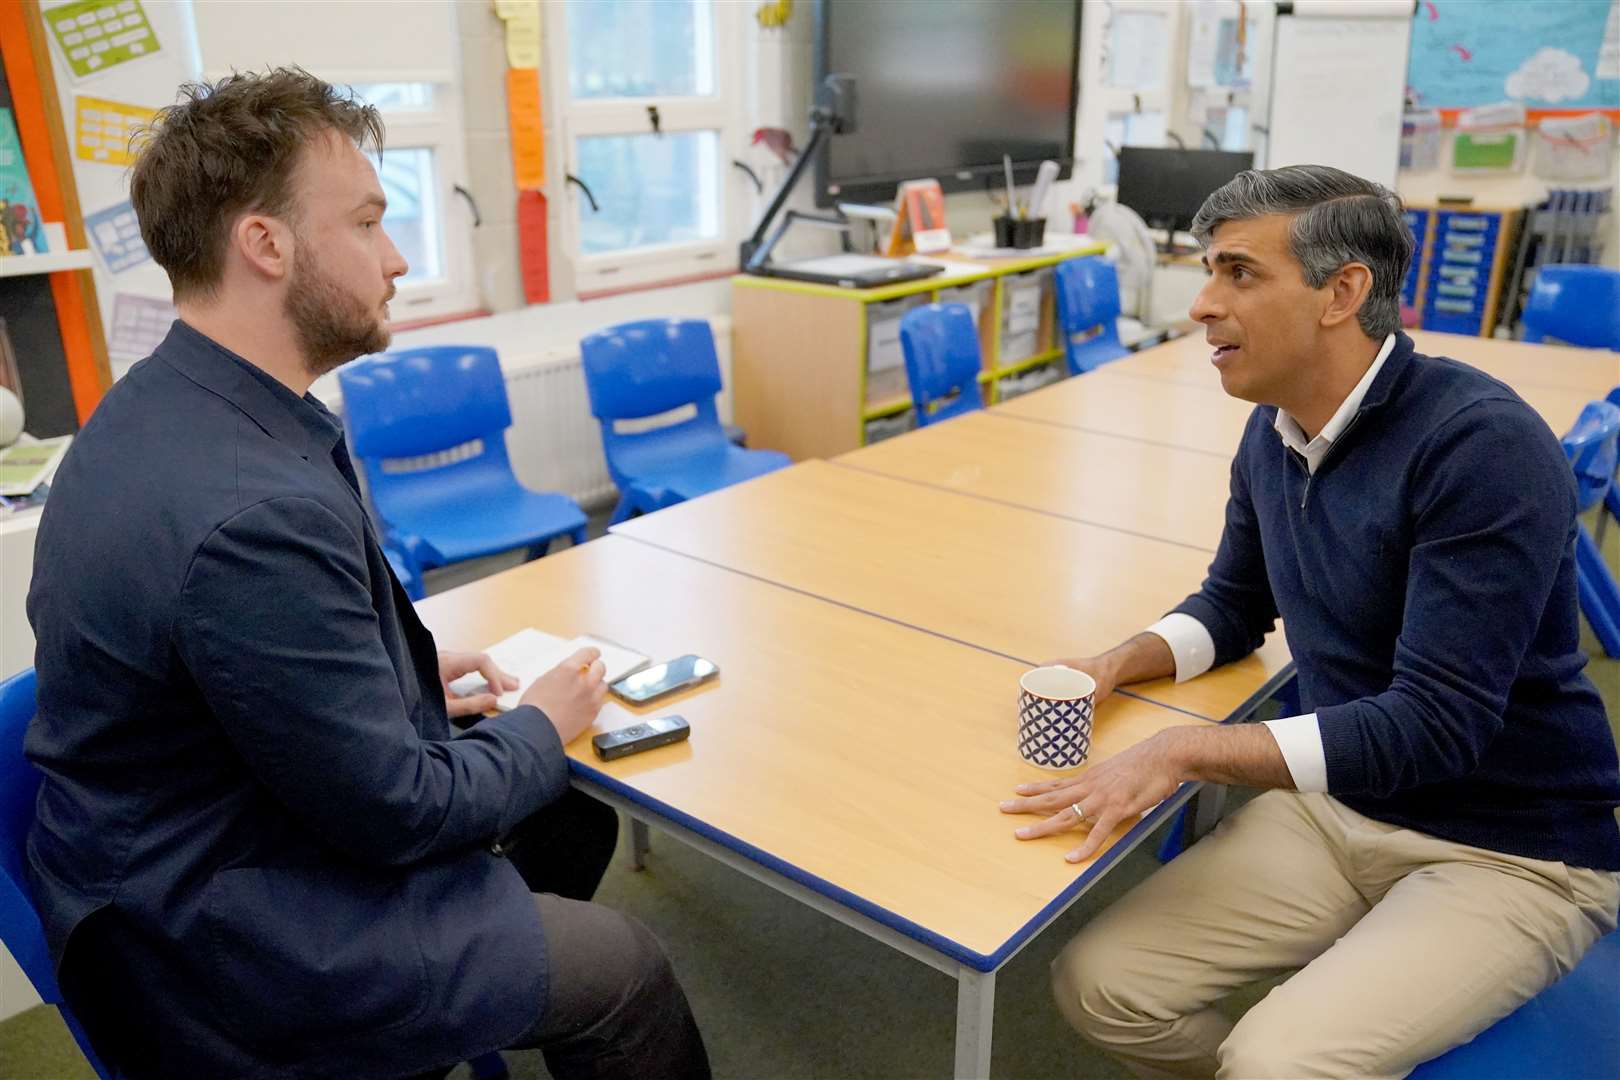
1206,306
394,264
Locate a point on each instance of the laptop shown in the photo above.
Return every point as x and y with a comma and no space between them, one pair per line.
851,271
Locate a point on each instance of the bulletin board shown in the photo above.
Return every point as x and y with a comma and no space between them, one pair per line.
1556,57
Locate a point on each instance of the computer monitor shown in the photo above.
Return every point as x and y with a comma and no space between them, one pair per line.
1168,186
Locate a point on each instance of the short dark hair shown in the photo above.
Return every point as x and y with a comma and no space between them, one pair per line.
1340,219
227,147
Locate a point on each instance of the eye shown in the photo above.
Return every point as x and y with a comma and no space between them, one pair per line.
1239,273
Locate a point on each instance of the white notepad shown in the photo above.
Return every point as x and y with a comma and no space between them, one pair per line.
529,654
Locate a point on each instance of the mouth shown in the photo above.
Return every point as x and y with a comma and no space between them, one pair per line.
1221,353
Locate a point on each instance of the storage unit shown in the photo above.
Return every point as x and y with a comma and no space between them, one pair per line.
1456,277
1412,287
817,370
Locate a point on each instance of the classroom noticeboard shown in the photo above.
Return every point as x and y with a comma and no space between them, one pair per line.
1549,55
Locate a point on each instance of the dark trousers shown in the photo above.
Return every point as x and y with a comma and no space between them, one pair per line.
613,1007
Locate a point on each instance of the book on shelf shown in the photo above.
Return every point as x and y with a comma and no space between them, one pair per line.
20,230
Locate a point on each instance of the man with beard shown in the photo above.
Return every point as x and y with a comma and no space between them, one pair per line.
260,847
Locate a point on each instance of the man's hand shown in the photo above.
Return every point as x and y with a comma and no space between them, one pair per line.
1108,793
571,693
1128,783
453,665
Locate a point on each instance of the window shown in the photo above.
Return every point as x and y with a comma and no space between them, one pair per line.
649,124
419,168
406,70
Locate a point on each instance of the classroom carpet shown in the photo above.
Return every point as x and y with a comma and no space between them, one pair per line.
782,991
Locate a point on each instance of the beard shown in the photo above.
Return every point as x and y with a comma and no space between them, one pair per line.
332,324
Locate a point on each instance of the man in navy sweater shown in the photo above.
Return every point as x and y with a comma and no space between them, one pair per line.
1440,842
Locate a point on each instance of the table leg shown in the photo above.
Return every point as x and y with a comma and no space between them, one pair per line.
975,1015
640,844
1207,807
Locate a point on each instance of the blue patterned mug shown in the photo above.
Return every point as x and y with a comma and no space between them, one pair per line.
1054,716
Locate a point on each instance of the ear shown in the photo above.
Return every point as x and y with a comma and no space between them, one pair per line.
265,244
1347,291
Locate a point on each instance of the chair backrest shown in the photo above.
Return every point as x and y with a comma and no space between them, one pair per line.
20,928
647,368
1593,449
1088,310
1576,304
420,402
940,345
651,366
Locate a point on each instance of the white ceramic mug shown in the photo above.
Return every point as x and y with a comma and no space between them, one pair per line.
1054,716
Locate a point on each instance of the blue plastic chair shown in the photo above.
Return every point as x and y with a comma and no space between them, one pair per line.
444,508
20,928
1088,313
648,368
1593,446
1611,501
940,344
1576,304
1569,1030
411,583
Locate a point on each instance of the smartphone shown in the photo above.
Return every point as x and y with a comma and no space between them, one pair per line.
639,737
661,679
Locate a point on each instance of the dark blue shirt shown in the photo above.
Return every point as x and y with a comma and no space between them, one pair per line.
1425,576
249,772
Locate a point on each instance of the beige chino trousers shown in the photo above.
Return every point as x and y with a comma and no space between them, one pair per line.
1405,945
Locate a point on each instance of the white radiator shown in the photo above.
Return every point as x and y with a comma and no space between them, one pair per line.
554,442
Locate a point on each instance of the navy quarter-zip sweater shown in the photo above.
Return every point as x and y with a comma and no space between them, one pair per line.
1425,576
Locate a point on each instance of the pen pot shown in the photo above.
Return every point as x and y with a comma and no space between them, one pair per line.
1014,232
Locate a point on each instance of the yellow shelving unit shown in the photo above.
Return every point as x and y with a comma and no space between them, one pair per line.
801,351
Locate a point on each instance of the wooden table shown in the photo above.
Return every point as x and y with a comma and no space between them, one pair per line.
1132,485
1197,416
1020,583
845,759
1591,372
1194,417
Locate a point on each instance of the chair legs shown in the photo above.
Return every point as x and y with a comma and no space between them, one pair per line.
1611,509
624,511
1599,594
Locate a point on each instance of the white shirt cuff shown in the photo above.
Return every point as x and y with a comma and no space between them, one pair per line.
1300,740
1189,643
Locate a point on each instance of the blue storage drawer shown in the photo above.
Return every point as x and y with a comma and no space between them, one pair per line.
1452,324
1417,222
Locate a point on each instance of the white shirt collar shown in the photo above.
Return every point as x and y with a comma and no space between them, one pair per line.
1314,450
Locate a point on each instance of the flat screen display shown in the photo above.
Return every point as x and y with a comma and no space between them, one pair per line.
945,89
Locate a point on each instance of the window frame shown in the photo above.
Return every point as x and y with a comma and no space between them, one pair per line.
438,130
720,112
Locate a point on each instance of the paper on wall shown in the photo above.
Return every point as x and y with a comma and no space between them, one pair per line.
95,35
102,129
528,138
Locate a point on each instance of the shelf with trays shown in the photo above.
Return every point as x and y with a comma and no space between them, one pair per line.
1455,281
803,374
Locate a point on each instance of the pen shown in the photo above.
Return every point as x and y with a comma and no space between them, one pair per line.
1012,201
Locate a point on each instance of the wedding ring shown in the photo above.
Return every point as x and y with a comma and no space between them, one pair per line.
1079,814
